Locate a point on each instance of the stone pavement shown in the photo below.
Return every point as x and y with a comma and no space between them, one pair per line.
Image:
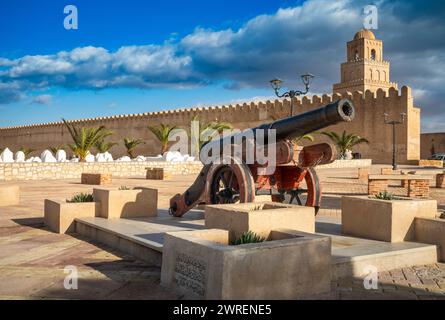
32,260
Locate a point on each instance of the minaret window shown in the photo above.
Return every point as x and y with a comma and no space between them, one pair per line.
372,54
356,56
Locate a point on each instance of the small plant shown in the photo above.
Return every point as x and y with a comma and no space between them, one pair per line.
385,195
124,188
248,237
81,197
130,144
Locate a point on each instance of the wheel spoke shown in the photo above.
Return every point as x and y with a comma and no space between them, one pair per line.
231,179
298,199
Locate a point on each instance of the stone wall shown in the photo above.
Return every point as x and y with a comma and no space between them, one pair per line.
432,143
355,163
69,170
368,123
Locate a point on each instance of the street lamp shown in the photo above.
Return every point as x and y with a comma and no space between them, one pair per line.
276,85
394,123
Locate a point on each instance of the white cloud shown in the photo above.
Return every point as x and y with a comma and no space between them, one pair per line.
306,38
42,99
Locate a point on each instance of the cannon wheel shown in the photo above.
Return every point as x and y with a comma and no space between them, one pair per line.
312,191
230,183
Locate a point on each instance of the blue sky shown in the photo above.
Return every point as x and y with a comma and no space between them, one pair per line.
138,56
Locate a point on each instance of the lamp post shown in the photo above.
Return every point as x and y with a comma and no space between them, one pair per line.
394,123
276,85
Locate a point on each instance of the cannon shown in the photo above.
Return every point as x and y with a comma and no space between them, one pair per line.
293,179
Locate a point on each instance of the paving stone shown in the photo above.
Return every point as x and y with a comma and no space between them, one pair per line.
32,259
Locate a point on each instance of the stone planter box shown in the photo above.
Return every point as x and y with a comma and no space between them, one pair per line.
9,195
201,265
59,216
431,231
95,178
260,218
135,203
384,220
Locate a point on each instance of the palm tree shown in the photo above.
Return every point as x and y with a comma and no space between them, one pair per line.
345,142
102,146
55,149
84,139
26,151
214,127
162,133
131,144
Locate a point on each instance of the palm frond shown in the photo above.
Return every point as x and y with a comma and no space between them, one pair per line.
345,141
130,144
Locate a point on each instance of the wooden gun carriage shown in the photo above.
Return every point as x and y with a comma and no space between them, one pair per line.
231,179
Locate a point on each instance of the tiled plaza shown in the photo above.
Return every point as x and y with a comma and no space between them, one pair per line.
32,259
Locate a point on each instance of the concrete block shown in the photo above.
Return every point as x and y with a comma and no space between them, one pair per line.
260,218
135,203
95,178
59,216
431,231
384,220
9,195
158,174
201,264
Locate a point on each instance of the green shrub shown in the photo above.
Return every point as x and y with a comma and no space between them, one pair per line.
385,196
248,237
124,188
81,197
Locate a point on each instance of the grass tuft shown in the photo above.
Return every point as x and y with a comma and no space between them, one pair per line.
248,237
81,197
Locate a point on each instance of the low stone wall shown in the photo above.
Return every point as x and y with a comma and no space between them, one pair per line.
69,170
431,163
355,163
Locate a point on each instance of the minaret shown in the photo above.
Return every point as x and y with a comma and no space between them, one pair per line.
365,68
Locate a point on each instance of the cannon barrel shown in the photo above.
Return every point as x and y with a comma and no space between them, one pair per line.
294,126
301,124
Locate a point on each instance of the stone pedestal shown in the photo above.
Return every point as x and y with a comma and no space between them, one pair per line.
158,174
96,178
9,195
260,218
136,203
419,189
201,265
377,186
384,220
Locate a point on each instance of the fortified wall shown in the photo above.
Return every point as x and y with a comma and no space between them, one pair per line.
432,143
369,123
